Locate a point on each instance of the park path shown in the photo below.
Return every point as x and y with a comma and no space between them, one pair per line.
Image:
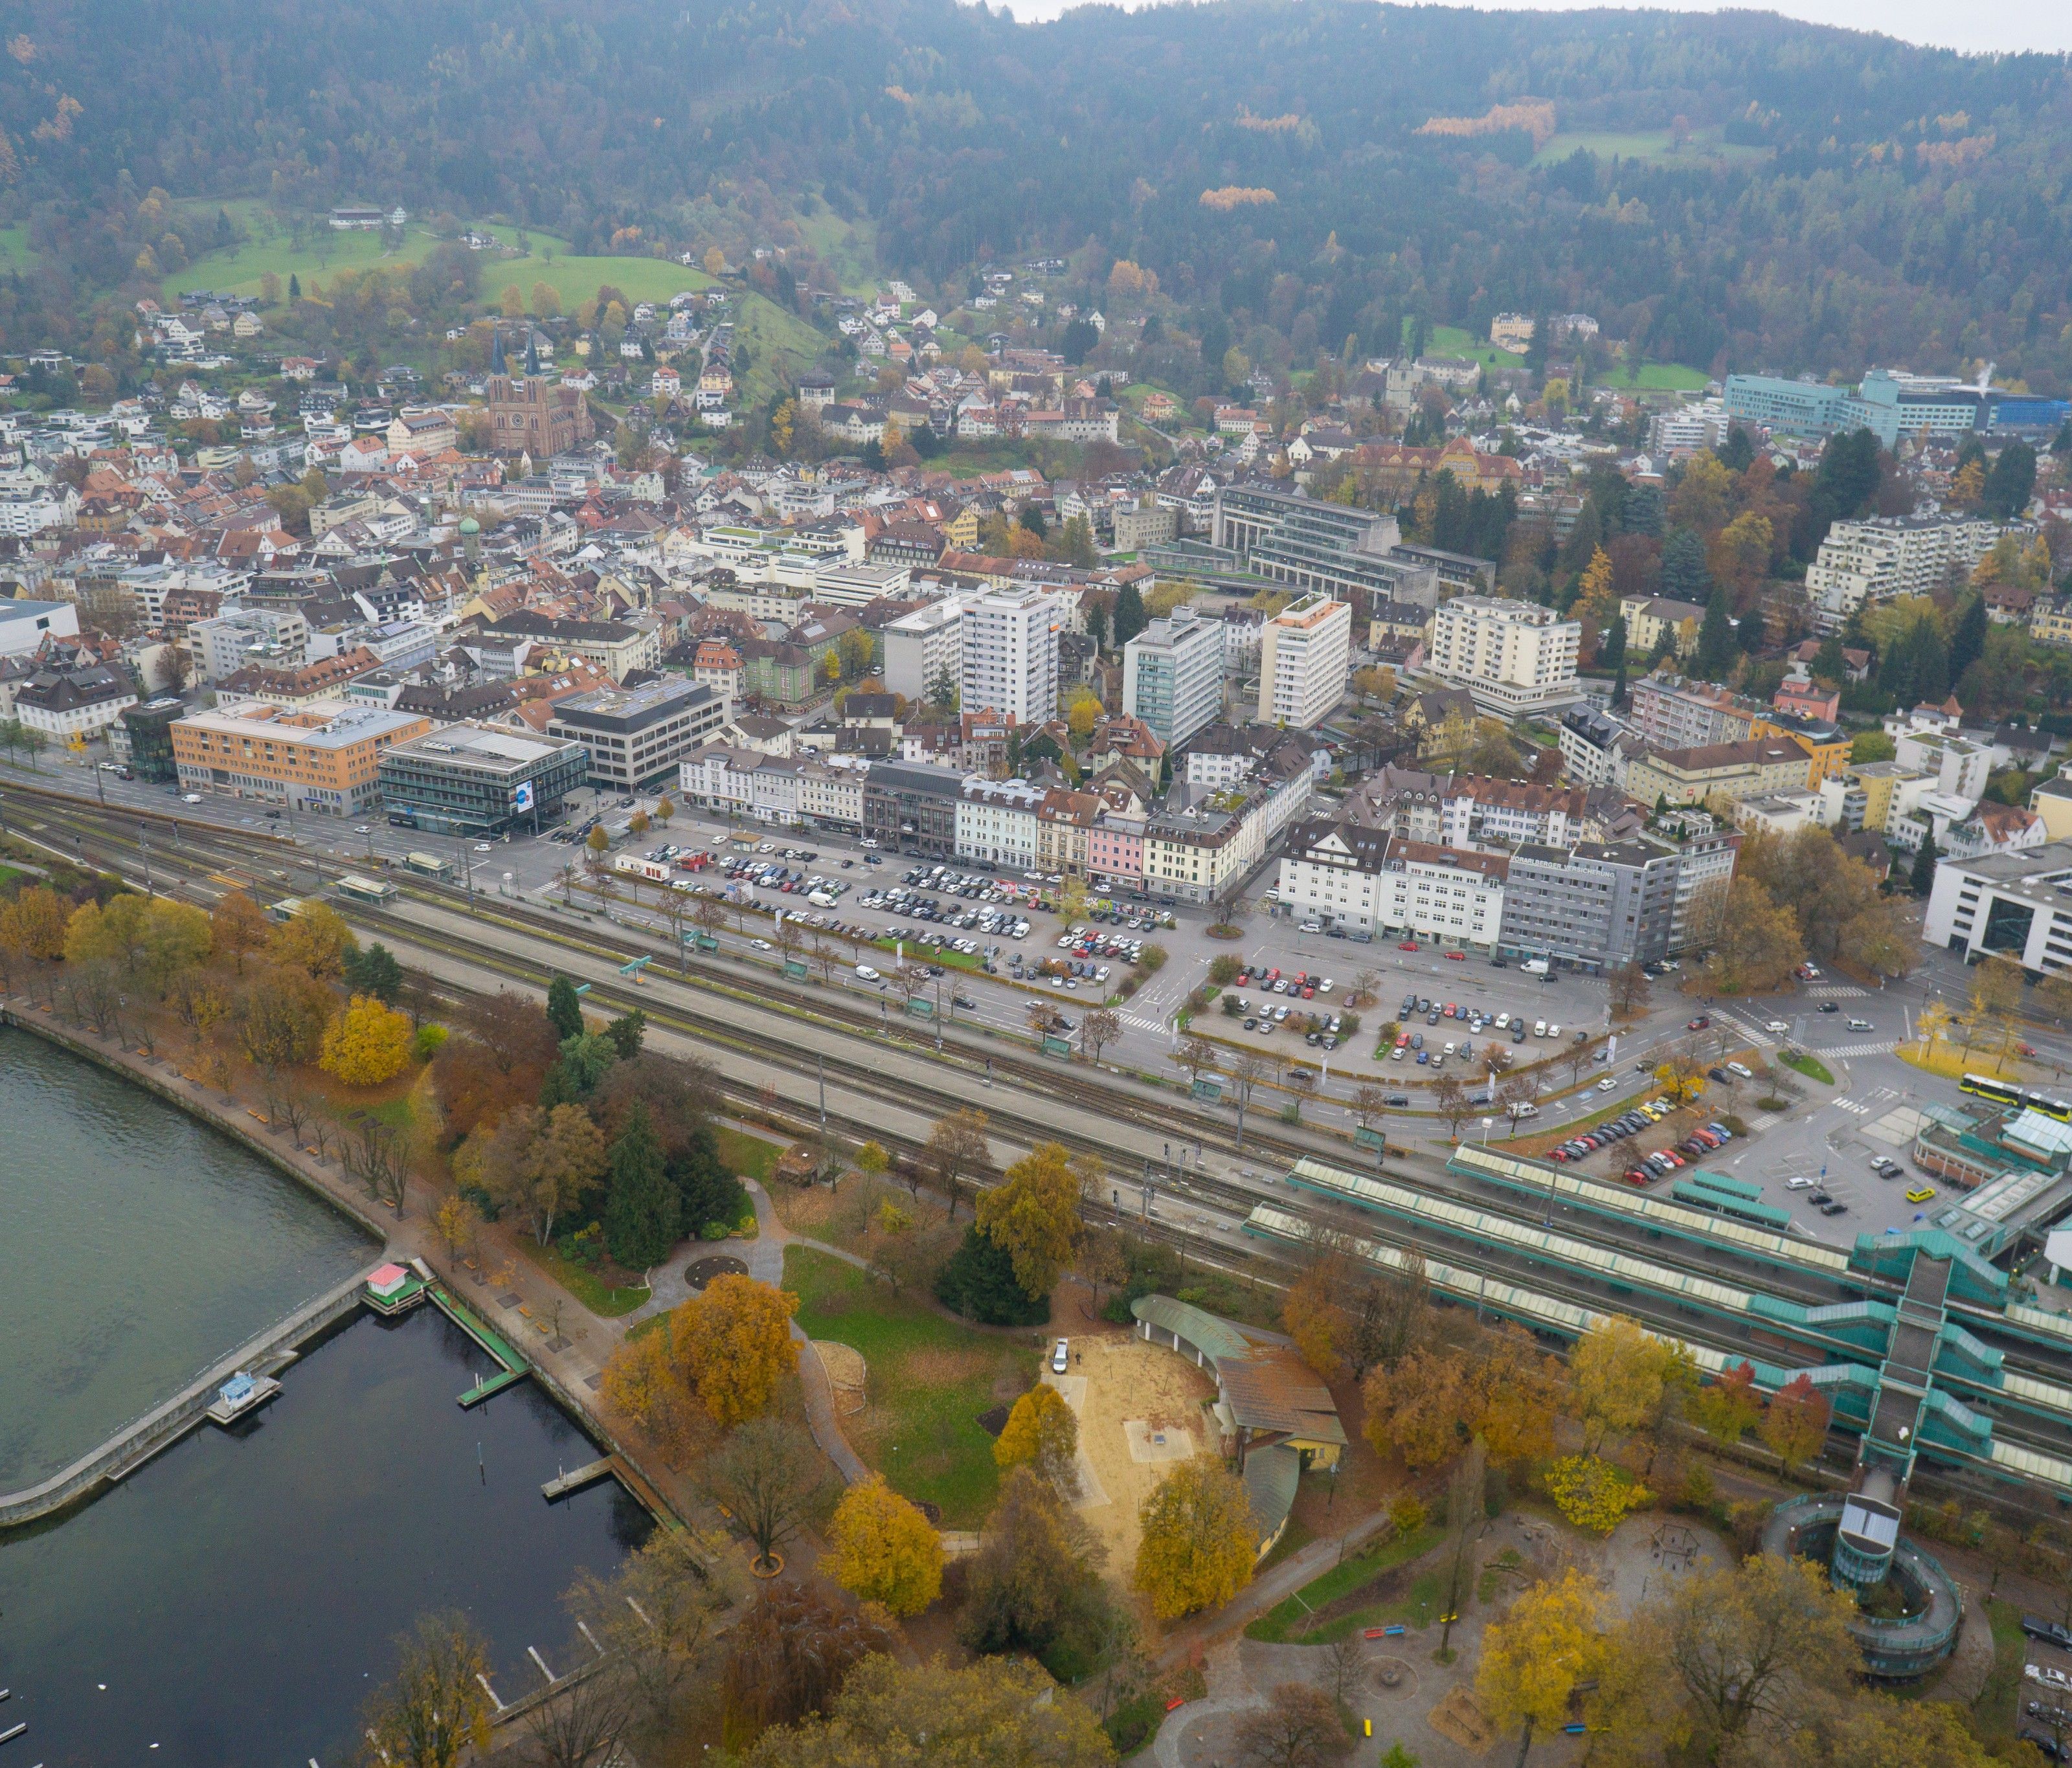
766,1264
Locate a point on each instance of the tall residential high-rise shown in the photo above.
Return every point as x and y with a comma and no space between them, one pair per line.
1172,675
1513,657
1305,655
1010,655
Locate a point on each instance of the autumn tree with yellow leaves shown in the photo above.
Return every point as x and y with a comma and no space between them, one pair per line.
1041,1432
1033,1216
367,1043
734,1343
884,1550
1197,1541
1551,1639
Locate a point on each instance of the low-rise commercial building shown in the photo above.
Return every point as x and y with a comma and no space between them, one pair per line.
2017,903
322,759
1367,880
480,779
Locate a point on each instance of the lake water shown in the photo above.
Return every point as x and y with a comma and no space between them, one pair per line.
234,1602
239,1595
138,1247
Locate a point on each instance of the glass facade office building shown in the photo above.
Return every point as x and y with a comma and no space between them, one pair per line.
480,779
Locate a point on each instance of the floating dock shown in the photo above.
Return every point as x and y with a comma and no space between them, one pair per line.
511,1366
578,1477
240,1395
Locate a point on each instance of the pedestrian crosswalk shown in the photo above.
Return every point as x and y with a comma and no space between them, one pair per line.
1855,1105
1847,1050
1837,991
1138,1022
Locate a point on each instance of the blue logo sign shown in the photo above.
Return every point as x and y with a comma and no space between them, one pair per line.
522,798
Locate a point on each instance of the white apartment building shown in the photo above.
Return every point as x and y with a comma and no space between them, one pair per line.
1367,880
831,793
273,637
1513,657
1304,657
1172,675
1010,655
843,585
998,821
923,648
1888,556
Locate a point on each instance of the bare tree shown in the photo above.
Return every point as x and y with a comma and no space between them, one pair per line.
1364,984
676,908
658,1616
582,1726
957,1148
1195,1055
1451,1097
1465,1521
768,1476
1100,1027
827,957
1370,1105
1248,1072
1630,990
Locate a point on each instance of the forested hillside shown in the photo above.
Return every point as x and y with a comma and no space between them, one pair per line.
1735,191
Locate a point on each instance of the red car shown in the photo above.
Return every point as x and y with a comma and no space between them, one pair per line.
1459,957
1699,1024
1407,945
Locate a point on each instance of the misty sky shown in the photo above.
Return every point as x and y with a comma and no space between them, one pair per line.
2006,25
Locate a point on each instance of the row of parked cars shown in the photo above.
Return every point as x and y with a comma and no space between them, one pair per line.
1480,1019
1647,1167
1301,985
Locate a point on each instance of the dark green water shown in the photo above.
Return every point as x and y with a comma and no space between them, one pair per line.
238,1595
234,1601
137,1247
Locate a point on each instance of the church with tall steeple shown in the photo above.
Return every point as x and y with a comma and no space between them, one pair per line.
533,413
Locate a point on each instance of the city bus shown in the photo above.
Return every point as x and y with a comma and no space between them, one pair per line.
429,865
2001,1093
365,890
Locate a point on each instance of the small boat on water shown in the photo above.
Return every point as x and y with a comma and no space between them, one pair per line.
242,1393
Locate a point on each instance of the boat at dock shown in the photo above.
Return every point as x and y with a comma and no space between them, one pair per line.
241,1393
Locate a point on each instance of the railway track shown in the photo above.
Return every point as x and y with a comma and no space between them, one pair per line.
528,948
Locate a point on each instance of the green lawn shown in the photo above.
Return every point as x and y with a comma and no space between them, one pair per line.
849,249
1812,1067
929,1379
1284,1621
585,1285
781,345
748,1157
1662,377
1704,147
237,269
1449,340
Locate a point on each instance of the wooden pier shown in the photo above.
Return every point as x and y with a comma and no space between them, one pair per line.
577,1477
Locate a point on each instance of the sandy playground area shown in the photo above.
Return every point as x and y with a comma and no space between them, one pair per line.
1139,1412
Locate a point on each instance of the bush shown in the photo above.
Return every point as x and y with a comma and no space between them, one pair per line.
1153,959
714,1230
1736,1124
1230,1008
1407,1513
1224,970
429,1041
1349,1025
1116,1309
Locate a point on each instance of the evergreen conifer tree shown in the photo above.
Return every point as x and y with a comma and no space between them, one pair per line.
640,1209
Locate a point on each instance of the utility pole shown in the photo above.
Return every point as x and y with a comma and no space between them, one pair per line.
144,842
